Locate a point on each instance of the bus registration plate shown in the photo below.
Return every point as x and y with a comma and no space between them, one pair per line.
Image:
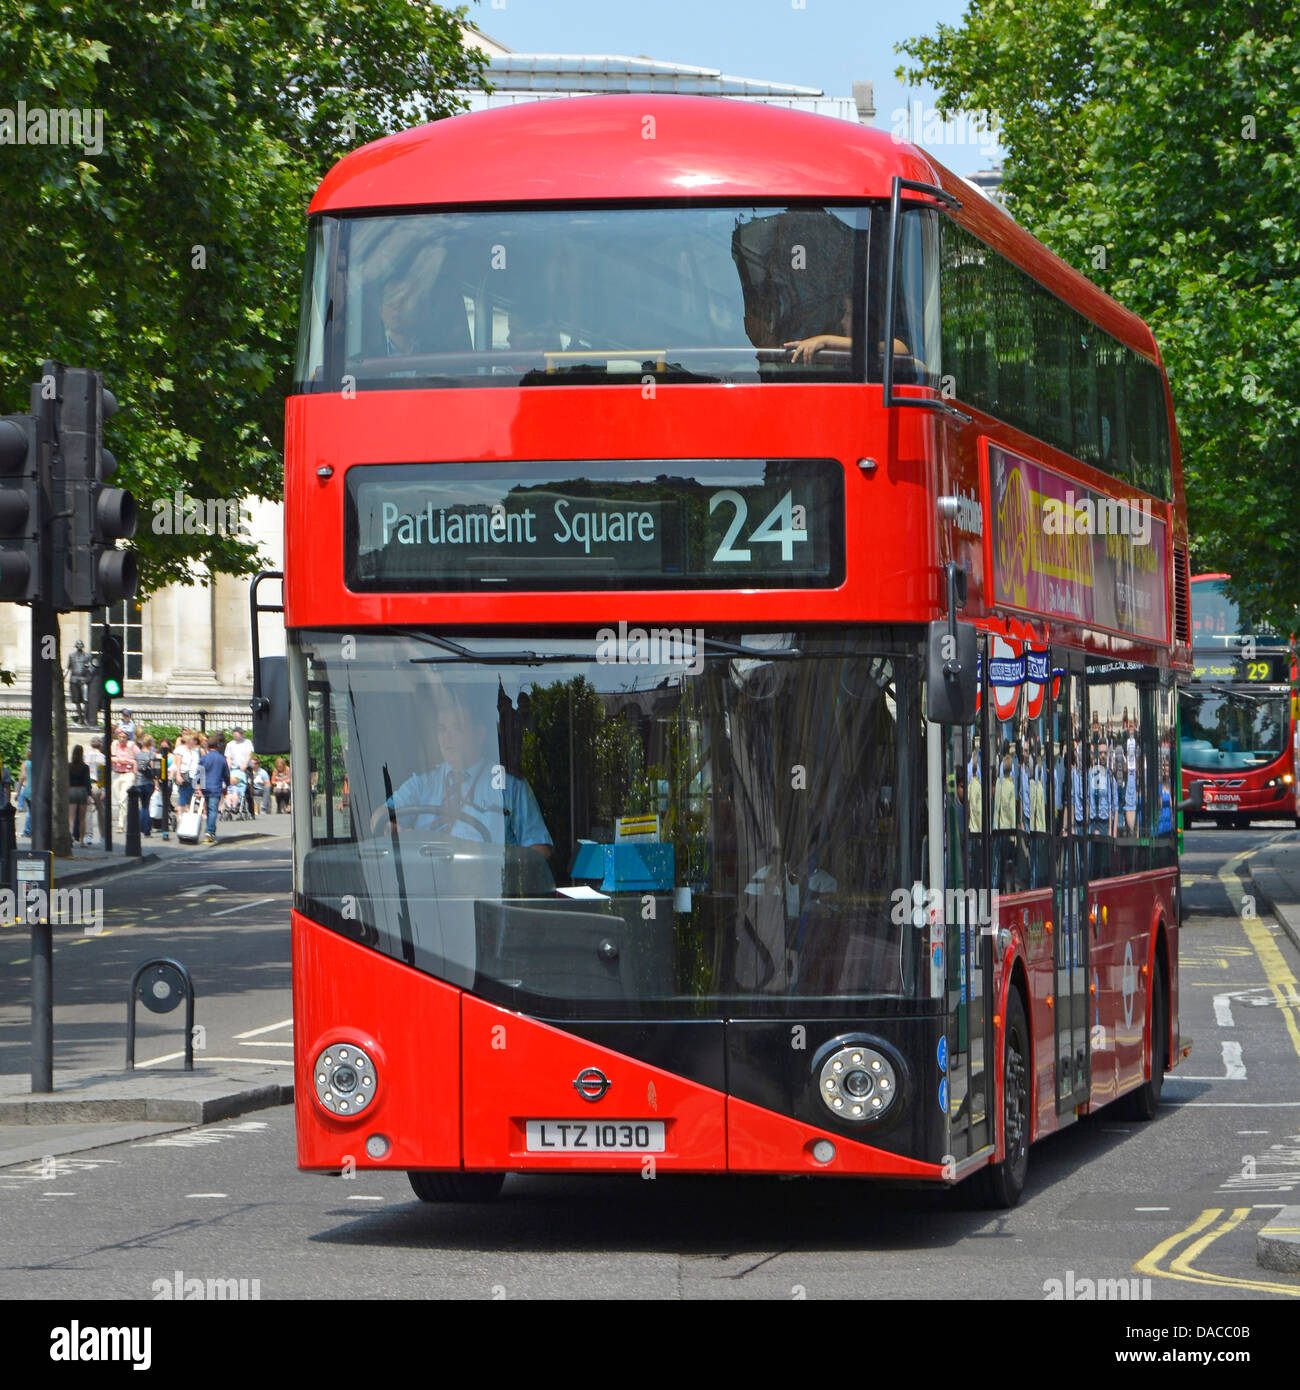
586,1136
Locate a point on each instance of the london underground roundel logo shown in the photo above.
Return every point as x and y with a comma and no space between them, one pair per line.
591,1084
1005,697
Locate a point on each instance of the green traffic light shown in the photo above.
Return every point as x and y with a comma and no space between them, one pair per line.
112,687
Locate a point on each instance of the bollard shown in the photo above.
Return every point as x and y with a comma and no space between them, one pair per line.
132,848
167,983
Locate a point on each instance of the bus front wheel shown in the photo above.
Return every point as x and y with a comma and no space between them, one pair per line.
1001,1184
455,1187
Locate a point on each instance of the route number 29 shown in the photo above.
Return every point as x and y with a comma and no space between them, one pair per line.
784,525
1257,670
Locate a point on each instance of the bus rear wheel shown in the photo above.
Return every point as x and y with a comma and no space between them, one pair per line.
1143,1103
1001,1184
455,1187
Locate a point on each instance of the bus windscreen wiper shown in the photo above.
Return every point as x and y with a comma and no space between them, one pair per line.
461,653
725,648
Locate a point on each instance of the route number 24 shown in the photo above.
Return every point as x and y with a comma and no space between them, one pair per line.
784,525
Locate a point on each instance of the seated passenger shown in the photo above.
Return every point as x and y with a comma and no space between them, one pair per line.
469,795
805,349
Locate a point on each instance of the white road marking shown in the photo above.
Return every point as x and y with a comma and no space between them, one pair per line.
1222,1011
243,1061
201,889
269,1028
1227,1104
192,1195
1234,1069
239,907
365,1199
1151,1208
192,1139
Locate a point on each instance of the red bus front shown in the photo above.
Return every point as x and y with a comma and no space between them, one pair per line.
1237,714
608,573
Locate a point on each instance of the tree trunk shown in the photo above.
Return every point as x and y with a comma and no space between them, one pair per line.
60,833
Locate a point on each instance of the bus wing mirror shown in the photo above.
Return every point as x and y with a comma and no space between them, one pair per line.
1195,799
950,680
270,705
270,702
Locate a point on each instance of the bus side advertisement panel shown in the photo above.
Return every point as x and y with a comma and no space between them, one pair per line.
1063,550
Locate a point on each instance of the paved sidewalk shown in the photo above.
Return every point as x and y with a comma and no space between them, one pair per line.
1277,1246
88,1110
92,863
1275,874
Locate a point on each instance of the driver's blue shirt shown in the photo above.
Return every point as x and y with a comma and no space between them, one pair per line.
504,815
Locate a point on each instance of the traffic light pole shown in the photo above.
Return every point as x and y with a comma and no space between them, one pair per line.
45,628
44,631
108,771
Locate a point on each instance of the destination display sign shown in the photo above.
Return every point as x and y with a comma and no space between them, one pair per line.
1268,668
630,524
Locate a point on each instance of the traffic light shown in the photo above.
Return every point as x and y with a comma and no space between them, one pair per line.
20,510
111,669
95,572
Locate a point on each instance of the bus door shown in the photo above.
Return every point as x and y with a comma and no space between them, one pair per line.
1070,882
969,937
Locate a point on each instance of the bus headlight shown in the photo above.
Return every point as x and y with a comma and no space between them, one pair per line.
857,1082
345,1079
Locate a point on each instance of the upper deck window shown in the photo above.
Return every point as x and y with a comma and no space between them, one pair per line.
578,296
1017,352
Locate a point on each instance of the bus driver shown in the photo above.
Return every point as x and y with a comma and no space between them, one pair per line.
469,795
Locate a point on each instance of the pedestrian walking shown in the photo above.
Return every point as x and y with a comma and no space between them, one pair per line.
166,760
25,790
122,754
146,770
214,778
97,820
78,793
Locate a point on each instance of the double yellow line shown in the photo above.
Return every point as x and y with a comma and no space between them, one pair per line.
1182,1268
1204,1231
1276,971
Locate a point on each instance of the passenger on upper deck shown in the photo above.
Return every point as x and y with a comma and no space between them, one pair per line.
805,349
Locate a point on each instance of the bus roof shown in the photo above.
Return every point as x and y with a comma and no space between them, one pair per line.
646,148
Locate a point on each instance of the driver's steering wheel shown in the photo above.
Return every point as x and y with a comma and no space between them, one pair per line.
443,820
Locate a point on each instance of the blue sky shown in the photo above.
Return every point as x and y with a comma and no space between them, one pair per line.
817,43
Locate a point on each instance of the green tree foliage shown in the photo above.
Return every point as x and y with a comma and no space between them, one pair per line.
1154,146
170,258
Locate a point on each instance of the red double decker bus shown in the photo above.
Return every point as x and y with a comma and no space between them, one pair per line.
721,744
1238,714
